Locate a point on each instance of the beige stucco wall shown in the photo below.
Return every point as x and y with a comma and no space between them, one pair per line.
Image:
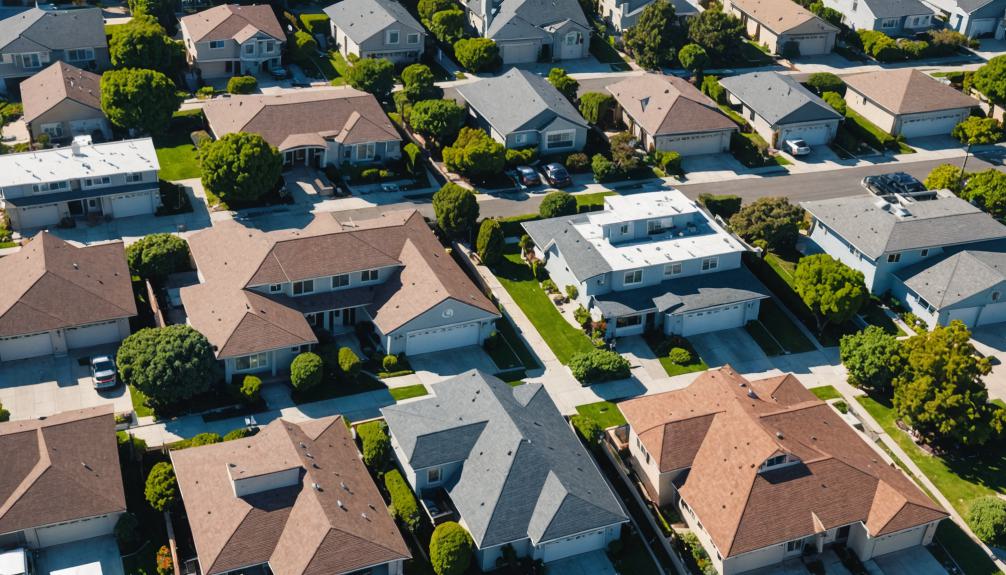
65,112
870,110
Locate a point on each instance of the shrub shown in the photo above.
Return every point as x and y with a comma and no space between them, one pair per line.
582,315
723,206
376,444
668,161
161,489
349,363
306,371
240,433
404,507
205,93
711,87
168,364
156,256
556,204
474,154
450,549
315,23
4,414
594,106
304,47
821,82
242,84
549,286
165,564
987,518
599,365
913,49
572,292
835,100
679,355
588,428
602,167
206,438
251,388
200,137
477,54
520,157
412,156
390,363
489,243
577,162
127,530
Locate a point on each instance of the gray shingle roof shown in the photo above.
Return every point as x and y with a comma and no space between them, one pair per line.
874,230
56,29
686,294
582,259
518,100
778,98
362,19
526,474
518,19
897,8
955,278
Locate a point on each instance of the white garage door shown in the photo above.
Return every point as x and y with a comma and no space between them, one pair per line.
573,546
815,135
899,541
132,205
429,340
76,531
23,346
520,53
937,125
983,26
715,319
813,45
966,315
96,334
696,144
992,313
38,216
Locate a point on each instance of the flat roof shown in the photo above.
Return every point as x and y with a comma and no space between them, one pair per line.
60,164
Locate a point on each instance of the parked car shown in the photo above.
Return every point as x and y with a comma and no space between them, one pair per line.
557,176
797,147
528,176
279,73
103,372
894,183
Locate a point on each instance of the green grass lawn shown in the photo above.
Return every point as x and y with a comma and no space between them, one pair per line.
866,130
605,413
785,332
968,555
784,266
400,393
175,152
658,343
606,54
634,558
826,392
873,314
562,338
592,201
763,338
139,403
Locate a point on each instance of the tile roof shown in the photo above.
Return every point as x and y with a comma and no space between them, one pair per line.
947,281
62,468
664,105
525,474
61,29
779,98
684,295
518,100
362,19
229,21
783,16
51,284
908,91
292,119
723,427
57,83
320,513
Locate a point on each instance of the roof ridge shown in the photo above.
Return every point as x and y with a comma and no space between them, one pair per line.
683,419
250,313
499,493
230,538
43,464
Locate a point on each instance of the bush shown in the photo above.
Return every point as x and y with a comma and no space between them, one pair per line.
599,365
572,292
723,206
680,356
711,87
168,364
913,49
304,48
161,489
376,444
251,388
240,433
390,363
588,428
987,518
412,157
474,154
821,82
836,101
450,549
156,256
602,167
242,84
520,157
206,438
477,54
165,564
594,106
582,315
349,363
669,162
306,371
4,414
489,243
373,75
205,93
577,162
549,286
404,507
556,204
127,531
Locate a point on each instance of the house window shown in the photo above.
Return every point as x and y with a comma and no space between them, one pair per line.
216,44
672,269
32,60
628,321
893,258
433,475
53,130
366,151
412,38
253,361
710,264
249,49
560,139
996,295
267,47
924,252
520,139
275,288
889,23
855,5
303,287
794,546
340,281
315,319
633,277
392,37
133,177
572,39
925,304
369,276
773,461
623,229
48,187
102,181
79,55
654,227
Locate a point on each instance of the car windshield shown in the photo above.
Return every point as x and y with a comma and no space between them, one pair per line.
800,143
103,365
559,171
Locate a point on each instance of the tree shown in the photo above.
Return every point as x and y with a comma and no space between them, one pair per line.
427,8
205,438
477,54
623,152
595,106
417,82
242,84
374,75
475,154
773,220
456,210
161,489
987,190
821,82
945,177
940,392
143,43
304,47
720,34
693,58
376,444
651,41
155,256
306,371
450,549
349,363
162,10
4,414
566,85
990,80
556,204
872,357
835,100
139,99
168,364
832,290
240,167
251,389
438,119
448,25
599,365
987,518
127,530
976,131
489,244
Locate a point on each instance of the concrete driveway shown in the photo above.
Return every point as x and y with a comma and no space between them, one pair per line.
439,365
990,340
593,563
731,346
913,561
70,556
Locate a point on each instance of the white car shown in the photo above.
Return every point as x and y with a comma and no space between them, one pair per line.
797,147
103,372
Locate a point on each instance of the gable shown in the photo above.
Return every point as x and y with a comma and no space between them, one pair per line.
449,312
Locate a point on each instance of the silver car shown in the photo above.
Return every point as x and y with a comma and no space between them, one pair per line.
103,372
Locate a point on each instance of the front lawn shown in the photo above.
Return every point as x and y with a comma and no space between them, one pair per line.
763,338
592,201
175,152
605,413
661,346
826,392
139,403
783,330
407,392
331,388
515,343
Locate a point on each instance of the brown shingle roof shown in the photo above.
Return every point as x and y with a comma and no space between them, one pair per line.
664,105
324,515
61,468
294,119
783,16
229,21
51,284
57,83
908,91
840,479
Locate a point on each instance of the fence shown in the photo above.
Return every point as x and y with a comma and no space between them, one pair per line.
155,307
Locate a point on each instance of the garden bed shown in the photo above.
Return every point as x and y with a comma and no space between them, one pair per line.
661,345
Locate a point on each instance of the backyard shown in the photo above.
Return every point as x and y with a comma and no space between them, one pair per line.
175,151
605,413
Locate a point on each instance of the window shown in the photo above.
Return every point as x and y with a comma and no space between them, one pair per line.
520,139
924,303
80,54
889,23
623,229
710,264
315,319
654,227
996,295
102,181
53,130
275,288
134,177
572,39
369,276
794,546
777,460
412,38
253,361
32,60
433,475
633,277
267,47
893,258
249,49
366,151
340,281
560,139
855,5
303,287
924,252
48,187
392,37
628,321
672,269
216,44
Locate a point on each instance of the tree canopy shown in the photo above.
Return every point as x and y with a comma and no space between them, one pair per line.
773,220
427,8
562,81
977,131
162,10
438,119
477,54
651,40
832,290
988,190
821,82
594,106
448,25
161,489
987,518
157,255
450,549
489,244
556,204
139,99
474,154
306,371
240,167
990,79
374,75
143,43
418,82
168,364
720,34
835,100
456,210
693,58
872,357
945,177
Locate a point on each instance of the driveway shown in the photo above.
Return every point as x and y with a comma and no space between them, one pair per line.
712,167
69,558
990,340
439,365
731,346
913,561
593,563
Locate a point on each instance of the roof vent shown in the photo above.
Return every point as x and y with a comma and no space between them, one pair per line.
779,435
316,486
341,504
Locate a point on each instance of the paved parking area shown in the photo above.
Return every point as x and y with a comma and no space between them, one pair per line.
731,346
990,340
67,558
439,365
593,563
913,561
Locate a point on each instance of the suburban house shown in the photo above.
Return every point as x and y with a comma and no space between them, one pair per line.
670,114
521,109
780,108
294,499
34,38
892,17
938,254
314,128
623,14
532,30
88,181
62,481
376,29
907,102
651,261
727,452
62,102
231,40
58,297
784,27
973,18
503,462
264,294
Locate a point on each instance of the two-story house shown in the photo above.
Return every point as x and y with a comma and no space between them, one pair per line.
937,253
651,261
892,17
376,29
763,472
231,40
623,14
35,38
84,180
974,19
264,294
62,102
503,462
532,30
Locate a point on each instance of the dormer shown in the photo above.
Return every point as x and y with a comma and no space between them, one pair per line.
778,460
246,481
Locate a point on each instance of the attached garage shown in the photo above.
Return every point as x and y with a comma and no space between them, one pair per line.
696,144
992,313
899,541
38,216
134,204
813,134
967,315
983,27
96,334
519,53
571,546
438,339
714,319
24,346
932,124
809,45
76,530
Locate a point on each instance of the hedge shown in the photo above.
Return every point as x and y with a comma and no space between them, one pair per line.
723,206
599,365
315,23
376,444
404,507
242,84
861,128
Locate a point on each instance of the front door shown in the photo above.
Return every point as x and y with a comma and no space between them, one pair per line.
349,316
94,206
298,156
76,207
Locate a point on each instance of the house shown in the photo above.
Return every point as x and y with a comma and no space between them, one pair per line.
668,113
57,297
85,181
529,31
314,128
230,40
264,294
651,261
294,499
503,462
623,14
784,27
912,245
522,110
34,38
973,18
907,102
376,29
892,17
779,108
62,481
763,471
62,102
